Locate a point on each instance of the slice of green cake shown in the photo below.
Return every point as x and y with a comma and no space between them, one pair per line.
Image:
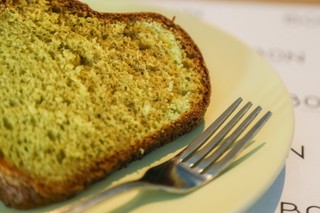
84,93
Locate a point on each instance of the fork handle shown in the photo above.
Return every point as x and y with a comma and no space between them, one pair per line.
88,202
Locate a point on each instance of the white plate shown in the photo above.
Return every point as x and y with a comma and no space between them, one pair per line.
236,70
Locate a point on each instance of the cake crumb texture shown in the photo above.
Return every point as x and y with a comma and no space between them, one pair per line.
80,87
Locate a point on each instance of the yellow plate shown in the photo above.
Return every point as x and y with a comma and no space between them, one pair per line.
236,70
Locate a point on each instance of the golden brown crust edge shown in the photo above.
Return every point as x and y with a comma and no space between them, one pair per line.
20,191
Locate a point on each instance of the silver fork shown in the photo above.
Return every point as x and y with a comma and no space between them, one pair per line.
200,162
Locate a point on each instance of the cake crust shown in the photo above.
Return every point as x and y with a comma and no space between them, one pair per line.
20,190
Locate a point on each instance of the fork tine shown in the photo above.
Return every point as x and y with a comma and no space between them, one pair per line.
209,131
219,166
194,159
228,141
